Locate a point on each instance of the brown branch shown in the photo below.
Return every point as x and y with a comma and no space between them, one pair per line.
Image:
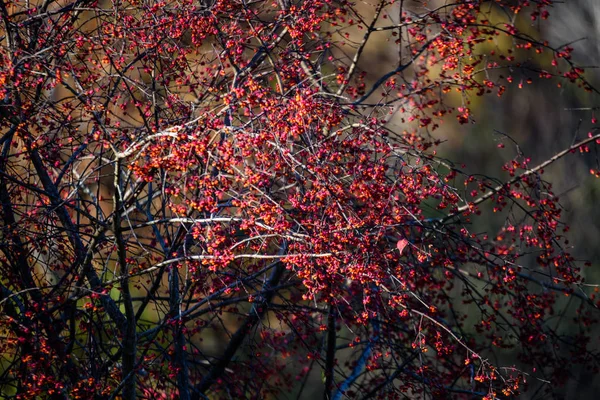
257,312
63,215
399,69
330,355
360,49
129,337
520,177
16,254
180,343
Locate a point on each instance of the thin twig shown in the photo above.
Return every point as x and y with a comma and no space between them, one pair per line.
520,177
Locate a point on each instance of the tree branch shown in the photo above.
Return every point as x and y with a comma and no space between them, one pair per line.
330,355
129,343
520,177
257,312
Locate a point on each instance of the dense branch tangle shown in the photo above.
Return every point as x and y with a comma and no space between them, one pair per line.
203,199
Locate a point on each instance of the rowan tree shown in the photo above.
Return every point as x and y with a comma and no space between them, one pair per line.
209,199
